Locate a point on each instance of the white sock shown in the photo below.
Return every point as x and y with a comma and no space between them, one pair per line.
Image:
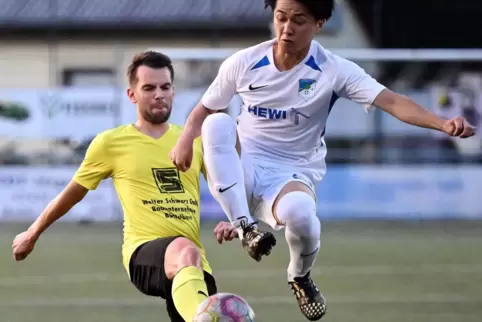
298,211
224,168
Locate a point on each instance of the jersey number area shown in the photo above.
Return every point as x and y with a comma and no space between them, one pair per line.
168,180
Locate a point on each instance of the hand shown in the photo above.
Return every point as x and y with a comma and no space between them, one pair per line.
181,154
23,245
458,127
225,231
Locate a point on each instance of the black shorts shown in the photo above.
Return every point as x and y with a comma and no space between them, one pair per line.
148,276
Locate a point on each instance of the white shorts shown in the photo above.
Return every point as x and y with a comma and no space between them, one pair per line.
264,183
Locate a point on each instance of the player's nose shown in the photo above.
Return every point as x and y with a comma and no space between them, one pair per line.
158,94
288,28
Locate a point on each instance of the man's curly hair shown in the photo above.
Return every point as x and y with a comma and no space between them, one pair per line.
319,9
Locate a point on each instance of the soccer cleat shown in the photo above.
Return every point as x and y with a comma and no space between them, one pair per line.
311,302
257,243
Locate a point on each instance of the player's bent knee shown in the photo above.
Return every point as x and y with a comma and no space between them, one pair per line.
179,254
297,210
218,129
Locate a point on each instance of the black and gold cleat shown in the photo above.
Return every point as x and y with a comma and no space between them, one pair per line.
257,243
311,302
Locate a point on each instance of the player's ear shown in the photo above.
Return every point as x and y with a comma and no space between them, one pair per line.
319,24
132,97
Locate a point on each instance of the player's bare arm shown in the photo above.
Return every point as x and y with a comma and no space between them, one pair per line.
181,154
408,111
24,243
216,98
192,129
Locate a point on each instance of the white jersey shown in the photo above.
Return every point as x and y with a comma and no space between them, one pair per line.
283,117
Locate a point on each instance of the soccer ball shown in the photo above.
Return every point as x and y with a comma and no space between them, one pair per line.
224,307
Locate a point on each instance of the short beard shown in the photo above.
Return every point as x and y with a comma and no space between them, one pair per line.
156,119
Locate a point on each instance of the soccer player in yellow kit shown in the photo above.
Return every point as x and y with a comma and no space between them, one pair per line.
162,251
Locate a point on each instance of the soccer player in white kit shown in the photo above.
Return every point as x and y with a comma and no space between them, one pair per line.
288,86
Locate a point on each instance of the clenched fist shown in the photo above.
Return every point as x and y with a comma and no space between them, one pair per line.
181,154
225,231
23,245
458,127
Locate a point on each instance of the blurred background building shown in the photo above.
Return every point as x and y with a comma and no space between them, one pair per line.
62,81
63,66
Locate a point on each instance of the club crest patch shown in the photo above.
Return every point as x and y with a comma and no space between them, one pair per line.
306,88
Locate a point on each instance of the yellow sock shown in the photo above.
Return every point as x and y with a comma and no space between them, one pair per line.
188,291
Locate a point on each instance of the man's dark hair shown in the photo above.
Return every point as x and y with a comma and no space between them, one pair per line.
150,59
319,9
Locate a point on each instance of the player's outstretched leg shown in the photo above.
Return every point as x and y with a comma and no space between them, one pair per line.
171,268
183,266
226,183
298,211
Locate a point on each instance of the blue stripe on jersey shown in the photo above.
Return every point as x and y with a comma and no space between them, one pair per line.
311,62
334,98
263,62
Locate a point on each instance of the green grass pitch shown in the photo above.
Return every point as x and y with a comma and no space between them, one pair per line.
368,271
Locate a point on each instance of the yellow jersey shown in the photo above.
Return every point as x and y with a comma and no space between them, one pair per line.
157,199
